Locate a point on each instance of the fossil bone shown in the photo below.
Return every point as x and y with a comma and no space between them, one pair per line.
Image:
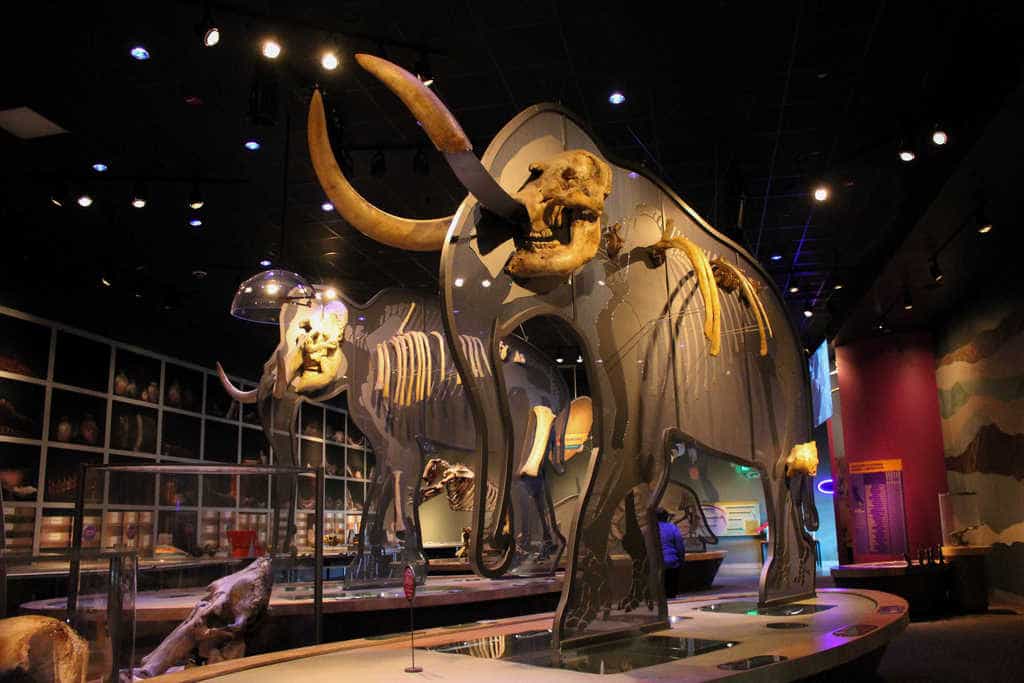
457,481
539,423
803,458
216,628
729,277
36,648
705,280
564,198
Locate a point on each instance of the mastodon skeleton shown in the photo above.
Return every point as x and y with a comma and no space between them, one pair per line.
411,367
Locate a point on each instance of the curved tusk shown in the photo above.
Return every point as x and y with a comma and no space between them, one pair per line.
386,228
445,132
233,391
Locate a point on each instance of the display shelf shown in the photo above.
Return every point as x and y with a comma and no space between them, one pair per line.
103,388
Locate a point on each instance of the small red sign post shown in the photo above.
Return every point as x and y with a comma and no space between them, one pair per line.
409,584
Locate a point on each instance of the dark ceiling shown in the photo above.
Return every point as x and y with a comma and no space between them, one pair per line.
741,107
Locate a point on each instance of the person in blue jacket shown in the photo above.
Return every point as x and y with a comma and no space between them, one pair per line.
673,550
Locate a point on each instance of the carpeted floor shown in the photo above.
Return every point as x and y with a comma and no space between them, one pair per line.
985,647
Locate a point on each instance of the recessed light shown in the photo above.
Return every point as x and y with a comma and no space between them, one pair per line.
327,206
794,289
265,263
579,358
633,175
821,193
331,293
560,359
105,282
140,53
271,49
907,155
808,313
459,282
985,228
940,137
485,283
616,97
329,61
211,36
139,202
252,145
195,222
84,201
837,286
776,257
99,167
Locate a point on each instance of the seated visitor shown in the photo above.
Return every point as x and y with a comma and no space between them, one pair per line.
673,550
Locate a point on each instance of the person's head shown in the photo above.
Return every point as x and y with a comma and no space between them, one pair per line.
662,515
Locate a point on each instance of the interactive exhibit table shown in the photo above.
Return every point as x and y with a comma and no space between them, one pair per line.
844,632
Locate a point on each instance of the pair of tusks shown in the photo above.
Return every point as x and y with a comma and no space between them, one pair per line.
443,130
764,325
705,280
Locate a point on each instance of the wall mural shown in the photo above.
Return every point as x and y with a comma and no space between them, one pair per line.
980,377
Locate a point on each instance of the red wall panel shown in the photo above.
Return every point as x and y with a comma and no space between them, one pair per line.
890,409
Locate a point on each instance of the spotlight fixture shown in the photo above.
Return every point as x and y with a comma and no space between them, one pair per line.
808,313
84,201
908,299
265,263
906,152
423,70
195,222
485,283
59,194
208,29
378,164
195,199
616,97
139,196
330,293
934,270
270,48
794,289
939,136
329,60
420,163
821,193
776,257
579,358
326,207
139,202
459,281
139,53
105,282
99,167
837,286
560,359
633,175
252,145
981,222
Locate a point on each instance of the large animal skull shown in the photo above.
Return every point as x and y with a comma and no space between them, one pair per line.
564,198
310,356
216,628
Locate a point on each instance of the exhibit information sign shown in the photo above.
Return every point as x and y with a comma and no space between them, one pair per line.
876,504
733,518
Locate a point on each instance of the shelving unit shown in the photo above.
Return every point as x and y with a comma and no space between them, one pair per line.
69,396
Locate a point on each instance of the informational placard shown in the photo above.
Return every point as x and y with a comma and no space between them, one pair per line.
876,505
733,518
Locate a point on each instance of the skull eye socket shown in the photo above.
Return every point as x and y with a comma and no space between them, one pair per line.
568,173
306,326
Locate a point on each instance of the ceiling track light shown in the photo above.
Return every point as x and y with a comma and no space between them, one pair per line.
423,70
270,48
195,198
59,194
139,199
934,270
981,221
822,193
939,135
207,29
329,59
908,299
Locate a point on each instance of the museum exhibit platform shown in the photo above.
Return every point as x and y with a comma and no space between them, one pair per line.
957,584
843,632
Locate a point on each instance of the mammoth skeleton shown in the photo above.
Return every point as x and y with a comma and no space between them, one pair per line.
675,324
406,397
